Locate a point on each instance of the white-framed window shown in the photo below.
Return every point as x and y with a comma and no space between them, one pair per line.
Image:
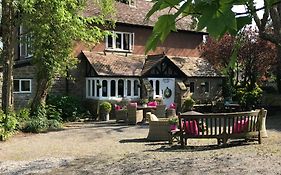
206,86
22,85
112,88
120,41
25,44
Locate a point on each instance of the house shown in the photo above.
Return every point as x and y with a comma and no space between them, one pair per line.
117,67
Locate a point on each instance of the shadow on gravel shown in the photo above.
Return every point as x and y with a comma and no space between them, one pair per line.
141,140
109,125
199,148
273,122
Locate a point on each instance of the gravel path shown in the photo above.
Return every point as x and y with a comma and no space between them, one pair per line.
109,148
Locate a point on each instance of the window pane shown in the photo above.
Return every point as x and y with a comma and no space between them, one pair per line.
151,82
16,85
126,41
136,89
191,86
88,87
207,86
25,85
118,41
129,88
109,42
93,88
121,88
98,88
104,88
157,87
113,88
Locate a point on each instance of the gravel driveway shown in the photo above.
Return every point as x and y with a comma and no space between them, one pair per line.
109,148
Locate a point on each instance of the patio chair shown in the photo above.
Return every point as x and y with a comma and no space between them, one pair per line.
160,111
121,115
134,116
159,129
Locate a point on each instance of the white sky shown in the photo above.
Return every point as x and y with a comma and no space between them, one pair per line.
241,8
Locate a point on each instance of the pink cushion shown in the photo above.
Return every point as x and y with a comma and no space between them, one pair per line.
152,103
173,106
118,108
134,104
191,127
240,126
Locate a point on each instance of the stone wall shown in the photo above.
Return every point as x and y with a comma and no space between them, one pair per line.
24,99
199,94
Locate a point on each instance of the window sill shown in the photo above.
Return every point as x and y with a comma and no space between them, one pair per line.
22,92
119,50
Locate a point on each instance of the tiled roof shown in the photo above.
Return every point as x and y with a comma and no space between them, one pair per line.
114,64
135,15
151,61
195,67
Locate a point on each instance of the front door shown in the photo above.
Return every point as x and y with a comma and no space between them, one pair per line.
163,88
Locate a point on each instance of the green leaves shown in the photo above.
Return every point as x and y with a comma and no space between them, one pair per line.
214,16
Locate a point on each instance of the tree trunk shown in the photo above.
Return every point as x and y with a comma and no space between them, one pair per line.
278,70
43,86
8,33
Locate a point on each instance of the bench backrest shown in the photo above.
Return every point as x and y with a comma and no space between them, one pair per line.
214,124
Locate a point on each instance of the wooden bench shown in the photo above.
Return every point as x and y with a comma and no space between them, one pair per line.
222,126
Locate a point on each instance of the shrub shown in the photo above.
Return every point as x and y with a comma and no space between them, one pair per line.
249,98
105,107
173,120
188,104
70,107
8,124
37,125
54,124
44,119
23,116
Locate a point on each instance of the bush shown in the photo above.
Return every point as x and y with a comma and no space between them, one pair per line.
23,116
188,104
37,125
8,124
70,107
249,98
105,107
54,124
44,119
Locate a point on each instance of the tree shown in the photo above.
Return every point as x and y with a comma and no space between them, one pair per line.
54,26
8,38
217,18
255,57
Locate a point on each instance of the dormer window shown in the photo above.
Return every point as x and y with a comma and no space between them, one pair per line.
25,44
120,41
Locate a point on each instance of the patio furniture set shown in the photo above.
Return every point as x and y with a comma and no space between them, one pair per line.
134,114
221,126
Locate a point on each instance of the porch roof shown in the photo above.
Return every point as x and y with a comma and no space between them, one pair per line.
110,64
195,67
190,66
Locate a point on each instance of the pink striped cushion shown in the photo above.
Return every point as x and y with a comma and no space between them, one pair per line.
191,127
240,126
152,103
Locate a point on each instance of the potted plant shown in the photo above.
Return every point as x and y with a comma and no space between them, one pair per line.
105,108
188,104
173,123
143,101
